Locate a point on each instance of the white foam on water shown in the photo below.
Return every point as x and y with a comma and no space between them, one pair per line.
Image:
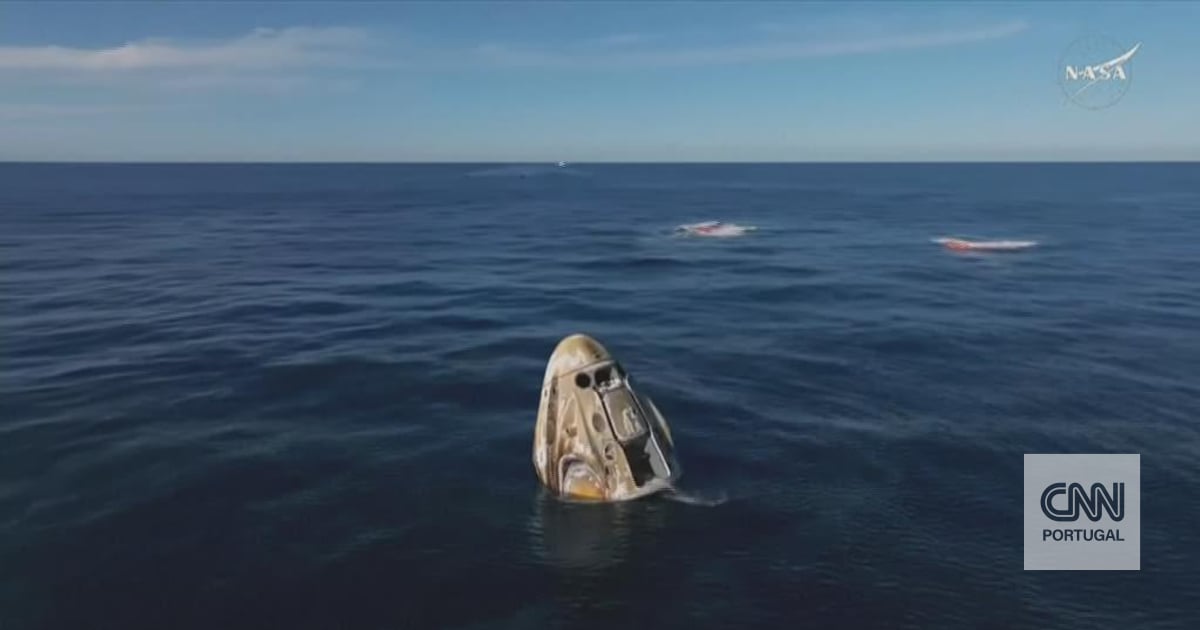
714,229
690,498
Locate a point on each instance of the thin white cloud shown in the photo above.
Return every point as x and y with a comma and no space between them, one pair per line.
263,83
260,83
776,50
276,61
261,49
52,111
617,39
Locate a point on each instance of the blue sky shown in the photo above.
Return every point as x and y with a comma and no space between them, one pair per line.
586,81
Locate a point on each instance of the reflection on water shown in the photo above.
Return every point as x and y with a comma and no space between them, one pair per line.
571,535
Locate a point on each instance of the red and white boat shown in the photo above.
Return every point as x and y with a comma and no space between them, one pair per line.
962,244
714,228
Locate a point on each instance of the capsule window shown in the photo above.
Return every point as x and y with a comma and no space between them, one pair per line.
583,381
603,375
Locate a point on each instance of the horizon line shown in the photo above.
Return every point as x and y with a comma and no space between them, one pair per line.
592,162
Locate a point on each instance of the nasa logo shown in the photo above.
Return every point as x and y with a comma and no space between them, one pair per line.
1095,71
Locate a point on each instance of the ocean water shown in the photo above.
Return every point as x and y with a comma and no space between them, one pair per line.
302,396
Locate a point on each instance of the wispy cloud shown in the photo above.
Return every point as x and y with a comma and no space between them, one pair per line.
617,39
274,61
52,111
752,52
261,49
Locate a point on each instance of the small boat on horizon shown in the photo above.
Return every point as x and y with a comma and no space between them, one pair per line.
714,228
962,244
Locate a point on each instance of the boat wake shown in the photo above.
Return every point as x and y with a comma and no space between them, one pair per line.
691,498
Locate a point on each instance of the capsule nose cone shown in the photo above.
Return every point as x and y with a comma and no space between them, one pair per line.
574,352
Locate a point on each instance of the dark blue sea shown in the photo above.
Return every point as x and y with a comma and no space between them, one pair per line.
303,396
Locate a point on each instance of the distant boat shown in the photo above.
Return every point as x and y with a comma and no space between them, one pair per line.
714,228
561,164
962,244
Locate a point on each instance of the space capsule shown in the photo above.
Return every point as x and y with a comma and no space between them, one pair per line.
596,437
